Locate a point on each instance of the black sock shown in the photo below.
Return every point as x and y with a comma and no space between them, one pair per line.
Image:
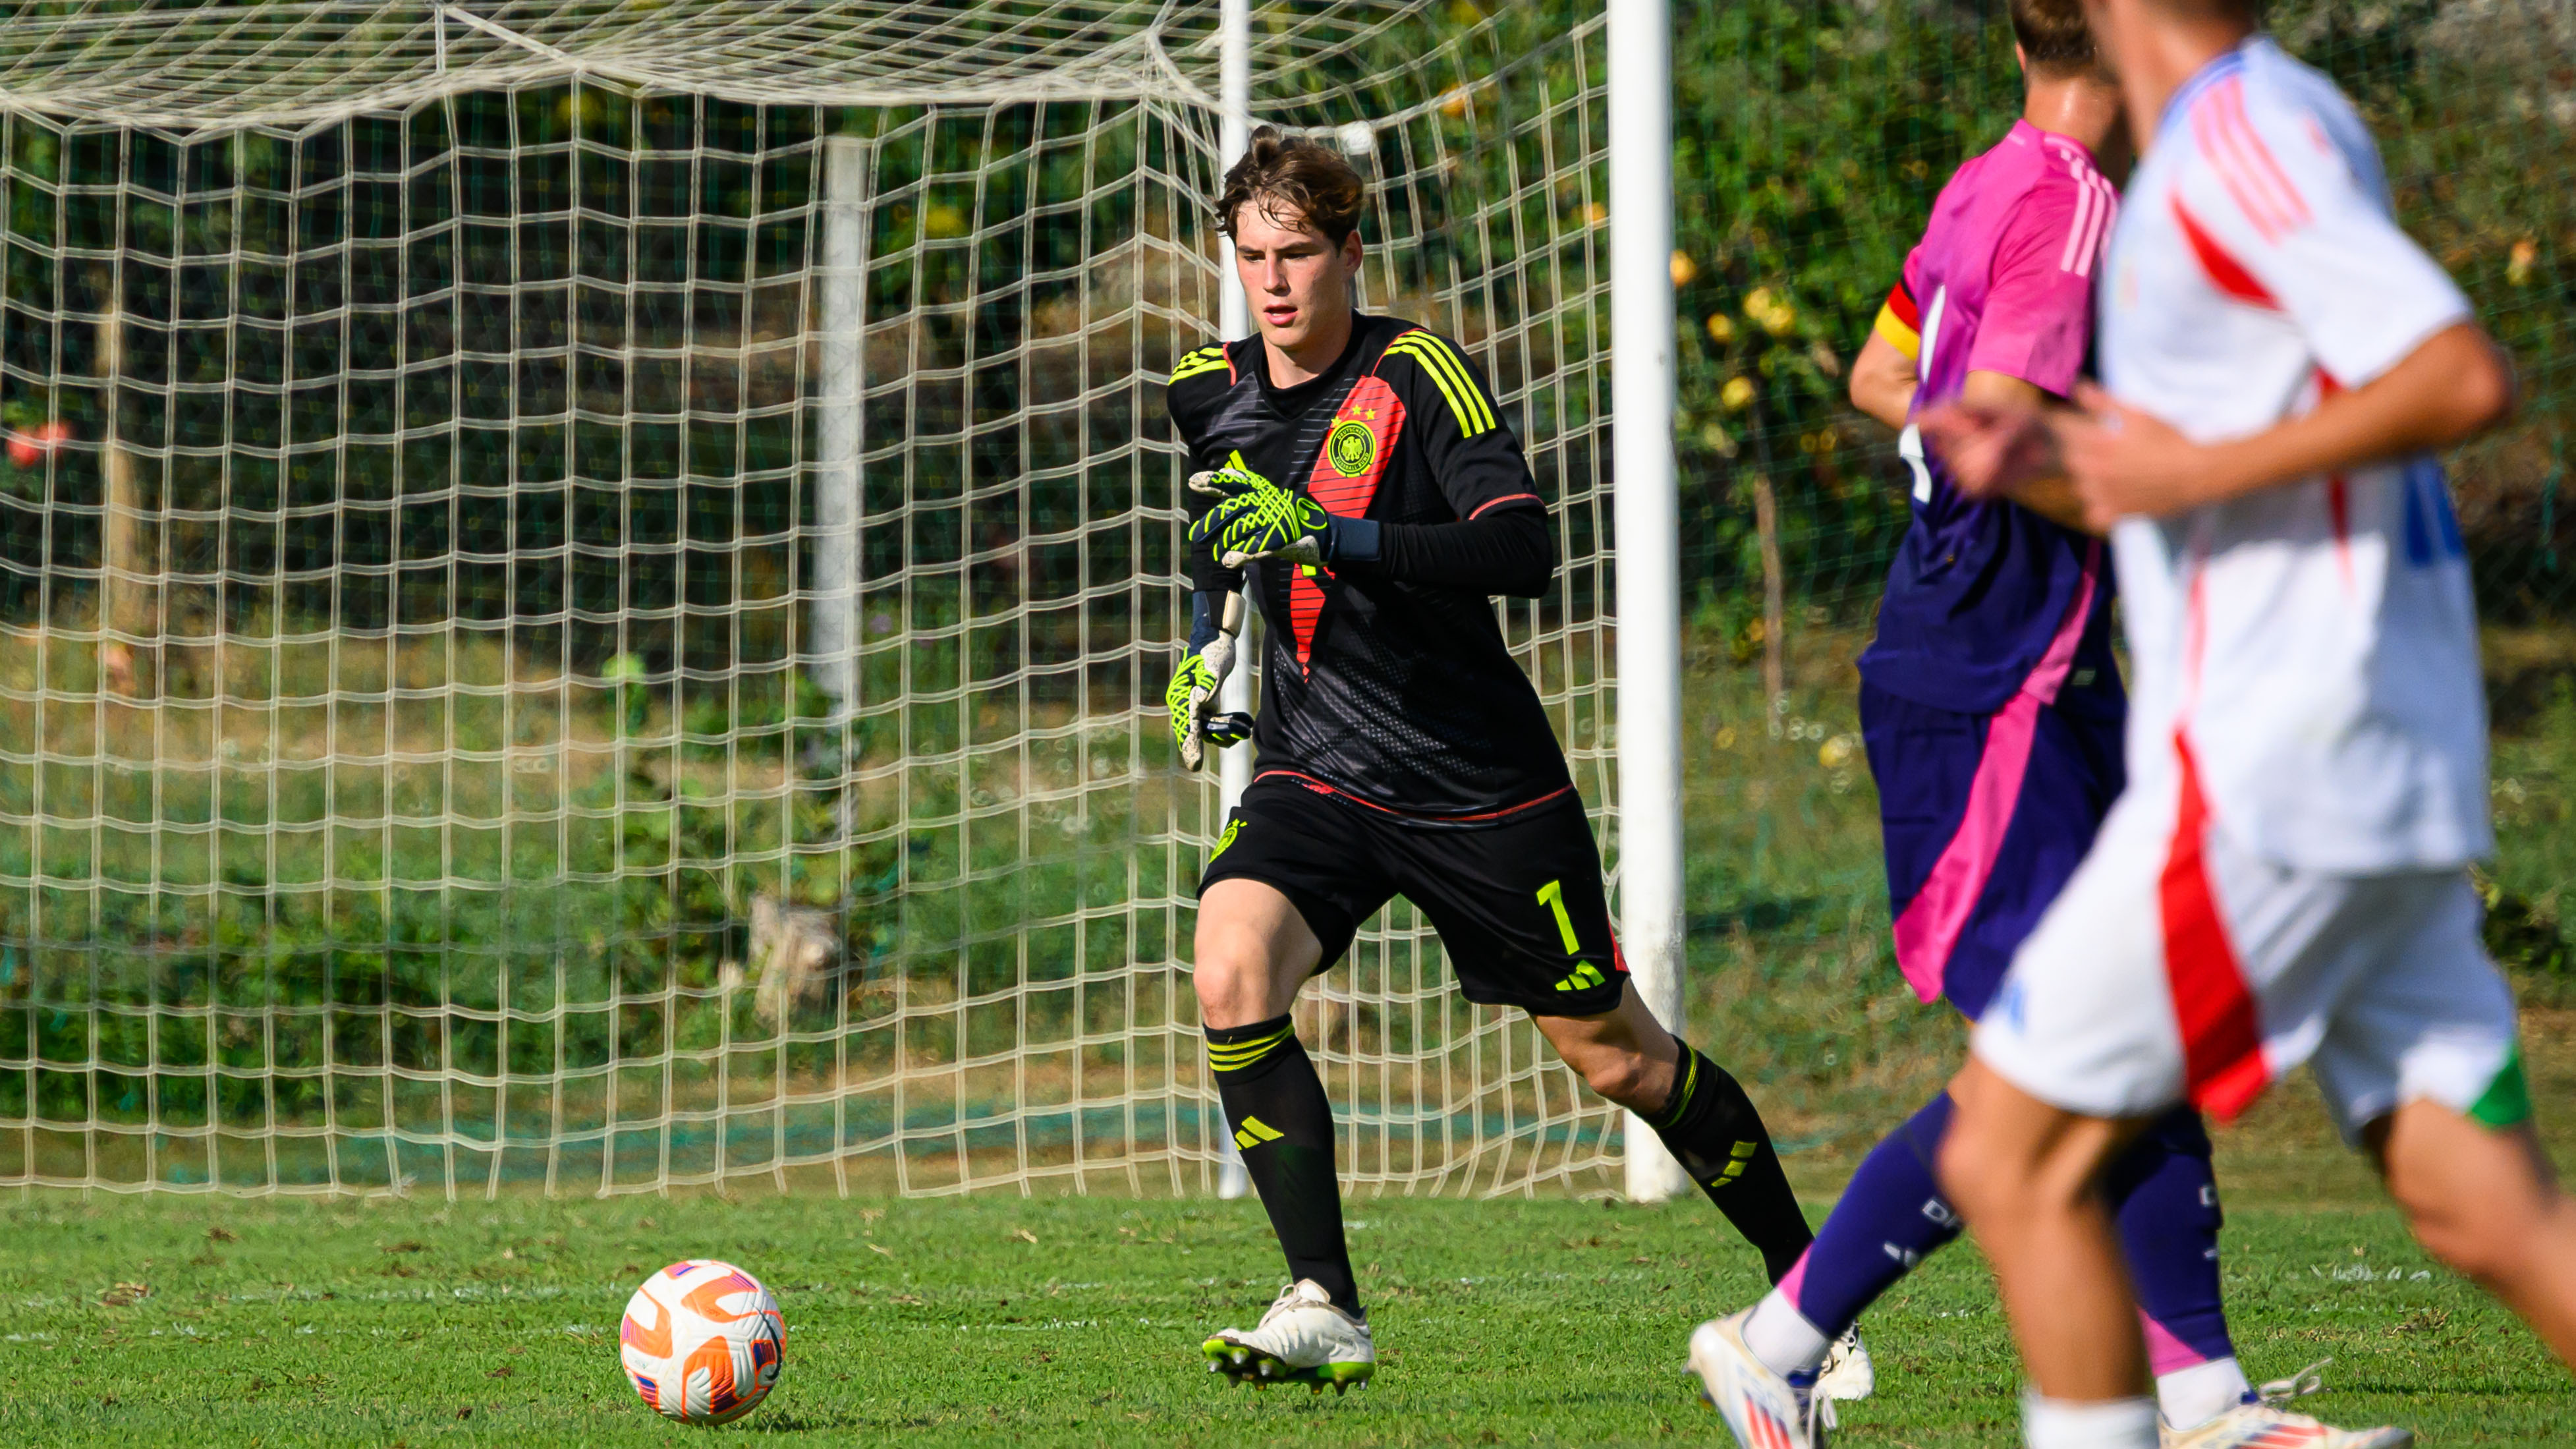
1283,1126
1711,1126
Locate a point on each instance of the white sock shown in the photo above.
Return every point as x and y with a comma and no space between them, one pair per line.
1781,1336
2192,1397
2105,1424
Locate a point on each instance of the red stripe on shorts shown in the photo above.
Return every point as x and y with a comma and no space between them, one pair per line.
2222,1043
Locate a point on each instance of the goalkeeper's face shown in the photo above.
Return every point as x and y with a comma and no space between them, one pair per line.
1297,280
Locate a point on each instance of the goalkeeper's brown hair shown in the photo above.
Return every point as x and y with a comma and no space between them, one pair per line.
2053,37
1285,174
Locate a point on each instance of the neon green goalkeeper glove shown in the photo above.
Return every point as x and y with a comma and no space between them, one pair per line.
1256,518
1191,696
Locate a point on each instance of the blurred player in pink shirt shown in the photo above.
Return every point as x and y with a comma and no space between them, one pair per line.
2284,881
1992,709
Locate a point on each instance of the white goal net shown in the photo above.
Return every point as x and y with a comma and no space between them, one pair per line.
585,586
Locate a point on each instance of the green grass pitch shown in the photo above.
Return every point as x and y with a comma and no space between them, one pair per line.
1076,1321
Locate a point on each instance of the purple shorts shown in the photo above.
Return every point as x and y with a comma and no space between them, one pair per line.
1984,817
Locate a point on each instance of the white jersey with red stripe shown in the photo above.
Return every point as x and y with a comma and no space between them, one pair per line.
2306,653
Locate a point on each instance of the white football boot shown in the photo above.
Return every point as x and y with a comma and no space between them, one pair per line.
1303,1339
2268,1423
1762,1409
1846,1373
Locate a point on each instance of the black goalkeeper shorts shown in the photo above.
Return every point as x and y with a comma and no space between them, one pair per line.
1517,900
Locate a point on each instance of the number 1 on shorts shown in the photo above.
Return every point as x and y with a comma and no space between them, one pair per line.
1552,896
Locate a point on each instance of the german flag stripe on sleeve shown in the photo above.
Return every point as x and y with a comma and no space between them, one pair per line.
1901,323
1449,372
1206,359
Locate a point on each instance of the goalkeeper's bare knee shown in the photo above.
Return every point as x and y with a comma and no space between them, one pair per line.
1253,951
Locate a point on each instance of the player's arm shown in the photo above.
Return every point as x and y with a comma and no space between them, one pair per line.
1504,540
1216,601
1510,551
1500,543
2050,494
1886,374
1508,548
2030,345
2403,366
2453,386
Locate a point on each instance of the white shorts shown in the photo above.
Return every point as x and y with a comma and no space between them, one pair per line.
2176,967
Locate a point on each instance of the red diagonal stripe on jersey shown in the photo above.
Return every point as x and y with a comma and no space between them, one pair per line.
2224,272
1374,405
2222,1041
1305,608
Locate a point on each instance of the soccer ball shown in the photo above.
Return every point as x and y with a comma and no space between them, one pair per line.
702,1342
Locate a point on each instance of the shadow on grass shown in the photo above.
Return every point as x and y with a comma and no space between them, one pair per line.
1762,916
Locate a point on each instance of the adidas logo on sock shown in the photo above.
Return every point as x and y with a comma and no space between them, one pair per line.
1737,1161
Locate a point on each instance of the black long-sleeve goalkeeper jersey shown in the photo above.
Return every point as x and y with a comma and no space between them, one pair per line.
1392,691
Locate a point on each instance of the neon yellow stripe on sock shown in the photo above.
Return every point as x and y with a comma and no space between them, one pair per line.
1235,1056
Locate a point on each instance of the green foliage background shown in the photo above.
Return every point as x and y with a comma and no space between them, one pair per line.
1811,140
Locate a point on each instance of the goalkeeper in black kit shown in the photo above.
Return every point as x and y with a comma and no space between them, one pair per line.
1355,480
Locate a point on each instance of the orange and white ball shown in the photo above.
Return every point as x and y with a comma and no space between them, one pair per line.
702,1342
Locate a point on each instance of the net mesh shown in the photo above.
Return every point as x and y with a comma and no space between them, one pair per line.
585,588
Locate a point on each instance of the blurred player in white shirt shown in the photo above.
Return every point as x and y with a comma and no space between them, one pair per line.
2284,880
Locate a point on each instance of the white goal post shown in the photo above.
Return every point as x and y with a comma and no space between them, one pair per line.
590,605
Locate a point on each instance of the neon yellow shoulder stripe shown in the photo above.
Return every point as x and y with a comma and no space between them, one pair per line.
1426,345
1442,364
1206,359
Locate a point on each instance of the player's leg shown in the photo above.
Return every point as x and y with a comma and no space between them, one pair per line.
1518,902
2027,1177
1890,1217
2178,965
2417,1062
2484,1200
1982,819
2163,1194
1254,953
2423,1068
1288,885
2077,1053
1699,1111
2160,1203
